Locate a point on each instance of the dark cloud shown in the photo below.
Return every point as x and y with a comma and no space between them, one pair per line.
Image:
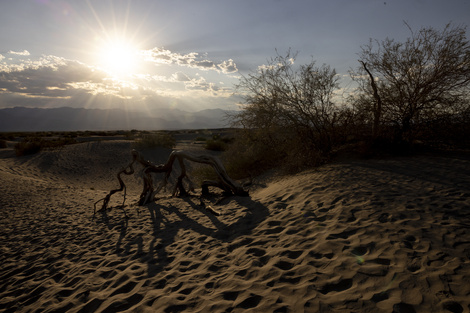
206,65
49,76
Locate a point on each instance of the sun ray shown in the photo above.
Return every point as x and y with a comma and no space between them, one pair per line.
115,48
118,57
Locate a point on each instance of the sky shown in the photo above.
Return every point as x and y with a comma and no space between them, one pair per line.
186,54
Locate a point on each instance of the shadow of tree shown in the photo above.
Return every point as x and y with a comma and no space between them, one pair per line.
164,231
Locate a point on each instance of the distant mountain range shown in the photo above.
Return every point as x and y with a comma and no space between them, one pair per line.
72,119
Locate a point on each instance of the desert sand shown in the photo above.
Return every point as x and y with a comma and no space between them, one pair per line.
355,235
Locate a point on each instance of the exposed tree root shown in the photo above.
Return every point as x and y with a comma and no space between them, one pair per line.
149,191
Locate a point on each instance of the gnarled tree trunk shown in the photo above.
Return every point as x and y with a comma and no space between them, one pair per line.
149,191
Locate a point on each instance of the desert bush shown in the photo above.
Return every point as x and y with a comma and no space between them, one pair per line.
32,145
218,143
164,140
28,146
289,115
3,144
255,151
408,85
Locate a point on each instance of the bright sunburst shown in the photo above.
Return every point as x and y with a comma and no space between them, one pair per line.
118,57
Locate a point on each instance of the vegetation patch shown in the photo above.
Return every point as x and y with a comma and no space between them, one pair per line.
409,94
218,143
153,140
32,145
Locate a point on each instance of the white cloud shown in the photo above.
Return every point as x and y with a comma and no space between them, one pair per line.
210,89
193,60
51,81
24,52
228,66
181,77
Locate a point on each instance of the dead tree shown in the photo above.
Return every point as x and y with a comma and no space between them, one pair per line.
377,110
149,191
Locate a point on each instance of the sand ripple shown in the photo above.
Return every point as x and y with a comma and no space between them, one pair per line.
357,236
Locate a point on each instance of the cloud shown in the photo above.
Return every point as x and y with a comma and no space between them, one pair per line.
193,60
181,77
51,81
24,52
198,84
201,85
47,76
228,66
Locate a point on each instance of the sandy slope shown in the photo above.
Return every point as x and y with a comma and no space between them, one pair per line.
354,236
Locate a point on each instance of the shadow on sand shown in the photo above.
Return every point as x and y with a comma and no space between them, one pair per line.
163,231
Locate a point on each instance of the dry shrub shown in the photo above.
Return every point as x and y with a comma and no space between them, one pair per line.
164,140
32,145
256,151
27,147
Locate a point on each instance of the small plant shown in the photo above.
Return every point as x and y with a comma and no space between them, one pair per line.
28,146
163,140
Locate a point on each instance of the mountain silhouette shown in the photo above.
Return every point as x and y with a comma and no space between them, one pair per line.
73,119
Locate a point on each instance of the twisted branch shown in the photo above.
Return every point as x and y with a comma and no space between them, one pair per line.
148,192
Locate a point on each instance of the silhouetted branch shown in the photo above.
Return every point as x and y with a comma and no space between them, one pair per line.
148,193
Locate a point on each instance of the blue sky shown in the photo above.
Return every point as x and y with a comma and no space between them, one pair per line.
185,54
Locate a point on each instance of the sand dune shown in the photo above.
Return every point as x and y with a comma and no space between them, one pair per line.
387,235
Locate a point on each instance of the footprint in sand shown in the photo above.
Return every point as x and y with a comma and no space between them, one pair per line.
124,304
403,308
293,255
453,307
339,286
284,265
176,308
409,241
381,296
256,252
251,302
290,277
186,291
361,250
384,217
320,255
275,230
125,288
342,235
230,295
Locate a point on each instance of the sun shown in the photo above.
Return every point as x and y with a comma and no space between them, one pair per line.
118,57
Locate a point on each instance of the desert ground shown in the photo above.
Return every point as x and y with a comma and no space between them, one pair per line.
354,235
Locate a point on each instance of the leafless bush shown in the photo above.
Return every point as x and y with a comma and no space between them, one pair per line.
289,114
407,85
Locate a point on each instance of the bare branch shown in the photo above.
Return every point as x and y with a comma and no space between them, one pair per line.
148,193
